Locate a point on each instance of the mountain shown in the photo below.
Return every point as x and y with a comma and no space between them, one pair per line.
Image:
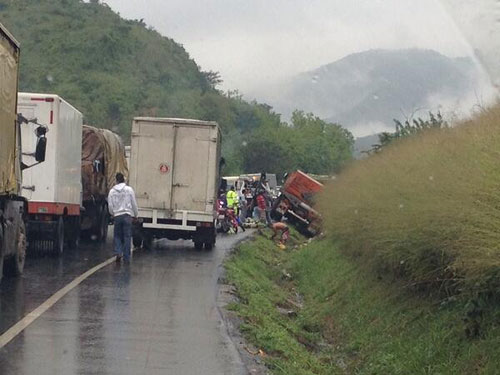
364,144
371,88
113,69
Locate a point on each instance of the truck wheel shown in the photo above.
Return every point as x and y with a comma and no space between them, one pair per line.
147,241
103,228
100,229
224,226
137,240
211,243
198,245
15,264
73,232
58,248
1,253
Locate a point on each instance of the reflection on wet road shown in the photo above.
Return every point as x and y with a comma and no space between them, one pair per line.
157,315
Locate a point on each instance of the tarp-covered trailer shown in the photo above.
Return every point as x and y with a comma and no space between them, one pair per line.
103,156
12,205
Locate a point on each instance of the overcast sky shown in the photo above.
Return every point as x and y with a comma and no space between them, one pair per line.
254,42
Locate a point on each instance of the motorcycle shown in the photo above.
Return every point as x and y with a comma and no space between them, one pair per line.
227,220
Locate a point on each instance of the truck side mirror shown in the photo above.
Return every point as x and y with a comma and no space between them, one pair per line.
41,146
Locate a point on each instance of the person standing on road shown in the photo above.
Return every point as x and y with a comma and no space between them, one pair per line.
123,207
232,200
243,205
261,206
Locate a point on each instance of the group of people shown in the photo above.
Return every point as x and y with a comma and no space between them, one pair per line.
255,203
248,204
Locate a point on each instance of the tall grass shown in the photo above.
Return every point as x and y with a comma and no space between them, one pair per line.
426,208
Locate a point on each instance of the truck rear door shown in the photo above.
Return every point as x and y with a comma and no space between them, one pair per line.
154,145
195,154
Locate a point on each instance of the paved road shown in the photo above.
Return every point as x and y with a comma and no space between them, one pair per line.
157,315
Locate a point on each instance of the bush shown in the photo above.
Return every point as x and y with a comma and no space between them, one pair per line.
426,208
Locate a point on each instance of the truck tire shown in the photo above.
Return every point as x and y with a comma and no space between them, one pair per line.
137,235
58,243
225,226
198,245
137,240
1,252
103,227
100,230
15,264
210,244
73,232
147,241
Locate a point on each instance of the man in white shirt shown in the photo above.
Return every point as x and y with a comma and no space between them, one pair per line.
123,207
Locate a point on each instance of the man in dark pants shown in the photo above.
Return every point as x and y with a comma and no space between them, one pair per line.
123,207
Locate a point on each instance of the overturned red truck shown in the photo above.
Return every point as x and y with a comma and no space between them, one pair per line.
296,201
103,155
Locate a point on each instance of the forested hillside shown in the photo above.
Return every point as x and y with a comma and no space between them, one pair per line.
113,69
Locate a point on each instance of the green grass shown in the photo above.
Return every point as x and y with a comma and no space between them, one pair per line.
351,321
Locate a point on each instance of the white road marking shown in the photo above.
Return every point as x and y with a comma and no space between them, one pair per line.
21,325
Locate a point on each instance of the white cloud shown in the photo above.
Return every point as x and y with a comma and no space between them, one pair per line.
479,21
253,42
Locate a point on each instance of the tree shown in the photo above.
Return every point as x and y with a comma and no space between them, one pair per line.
409,128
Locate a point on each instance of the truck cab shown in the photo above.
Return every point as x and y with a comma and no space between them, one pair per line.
13,206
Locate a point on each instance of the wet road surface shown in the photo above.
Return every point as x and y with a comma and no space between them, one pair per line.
157,315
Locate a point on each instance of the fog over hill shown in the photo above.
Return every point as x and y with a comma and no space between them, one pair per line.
365,91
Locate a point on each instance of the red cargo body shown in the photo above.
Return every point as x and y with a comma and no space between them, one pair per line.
296,201
103,155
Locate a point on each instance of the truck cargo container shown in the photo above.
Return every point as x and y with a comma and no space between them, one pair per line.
13,207
174,170
296,202
54,190
103,156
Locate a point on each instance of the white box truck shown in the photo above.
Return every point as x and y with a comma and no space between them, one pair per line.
174,170
54,190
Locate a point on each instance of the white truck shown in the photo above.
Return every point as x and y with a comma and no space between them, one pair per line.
54,190
174,170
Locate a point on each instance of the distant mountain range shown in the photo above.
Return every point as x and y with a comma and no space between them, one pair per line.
365,91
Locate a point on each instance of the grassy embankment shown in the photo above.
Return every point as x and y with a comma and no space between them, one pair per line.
349,320
406,281
426,209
